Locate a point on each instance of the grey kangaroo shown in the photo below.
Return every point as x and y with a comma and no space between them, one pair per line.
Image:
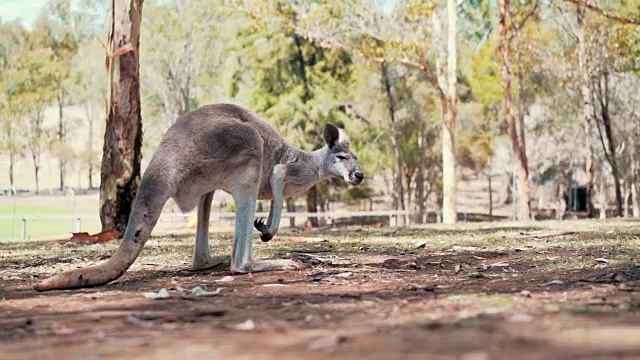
220,147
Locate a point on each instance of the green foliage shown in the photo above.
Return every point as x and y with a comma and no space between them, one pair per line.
305,64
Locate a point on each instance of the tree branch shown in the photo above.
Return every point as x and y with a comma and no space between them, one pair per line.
605,13
332,44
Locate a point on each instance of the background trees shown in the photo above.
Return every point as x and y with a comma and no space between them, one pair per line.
456,107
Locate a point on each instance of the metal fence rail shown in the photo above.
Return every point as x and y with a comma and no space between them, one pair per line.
328,216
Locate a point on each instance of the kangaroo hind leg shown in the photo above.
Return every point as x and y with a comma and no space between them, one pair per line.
242,258
201,253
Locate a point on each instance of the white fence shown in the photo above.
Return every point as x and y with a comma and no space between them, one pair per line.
393,216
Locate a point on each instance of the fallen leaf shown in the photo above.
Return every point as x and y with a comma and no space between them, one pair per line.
226,279
63,330
101,237
327,342
520,318
553,282
499,264
135,320
162,294
457,267
200,292
421,244
343,275
70,259
244,326
602,260
465,248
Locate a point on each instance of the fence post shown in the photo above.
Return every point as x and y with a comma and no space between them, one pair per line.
23,234
78,224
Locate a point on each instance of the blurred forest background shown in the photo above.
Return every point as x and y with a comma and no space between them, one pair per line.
522,109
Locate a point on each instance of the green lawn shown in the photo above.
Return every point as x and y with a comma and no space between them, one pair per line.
38,228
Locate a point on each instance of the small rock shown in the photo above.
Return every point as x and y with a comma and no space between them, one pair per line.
525,293
226,279
326,343
244,326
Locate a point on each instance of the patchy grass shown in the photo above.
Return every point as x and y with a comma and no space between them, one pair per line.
547,290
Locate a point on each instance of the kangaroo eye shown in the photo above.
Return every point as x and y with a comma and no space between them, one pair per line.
342,157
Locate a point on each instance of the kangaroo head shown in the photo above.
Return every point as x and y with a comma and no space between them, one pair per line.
340,162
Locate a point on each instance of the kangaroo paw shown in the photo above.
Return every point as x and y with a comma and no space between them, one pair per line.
263,229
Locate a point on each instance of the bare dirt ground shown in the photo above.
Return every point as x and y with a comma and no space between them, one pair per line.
549,290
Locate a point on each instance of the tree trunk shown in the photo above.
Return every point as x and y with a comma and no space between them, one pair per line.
61,138
36,173
603,201
291,208
561,206
602,86
90,143
524,187
490,196
312,206
517,137
420,197
408,178
446,70
635,204
587,109
120,174
398,187
626,197
449,178
12,161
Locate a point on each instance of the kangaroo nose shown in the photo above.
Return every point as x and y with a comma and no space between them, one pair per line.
359,175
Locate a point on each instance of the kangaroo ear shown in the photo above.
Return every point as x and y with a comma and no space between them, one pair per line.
331,135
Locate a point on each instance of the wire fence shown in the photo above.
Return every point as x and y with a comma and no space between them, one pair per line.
22,226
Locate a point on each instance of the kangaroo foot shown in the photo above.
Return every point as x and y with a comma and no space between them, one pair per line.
211,262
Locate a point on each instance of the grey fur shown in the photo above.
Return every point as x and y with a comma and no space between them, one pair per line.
220,147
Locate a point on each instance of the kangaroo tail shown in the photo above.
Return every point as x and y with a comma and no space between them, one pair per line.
146,210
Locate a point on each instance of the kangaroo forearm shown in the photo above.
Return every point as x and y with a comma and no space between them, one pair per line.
275,215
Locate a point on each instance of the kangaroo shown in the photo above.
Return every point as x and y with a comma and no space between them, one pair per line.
220,147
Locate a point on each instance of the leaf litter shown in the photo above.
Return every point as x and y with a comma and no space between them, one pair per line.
183,293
